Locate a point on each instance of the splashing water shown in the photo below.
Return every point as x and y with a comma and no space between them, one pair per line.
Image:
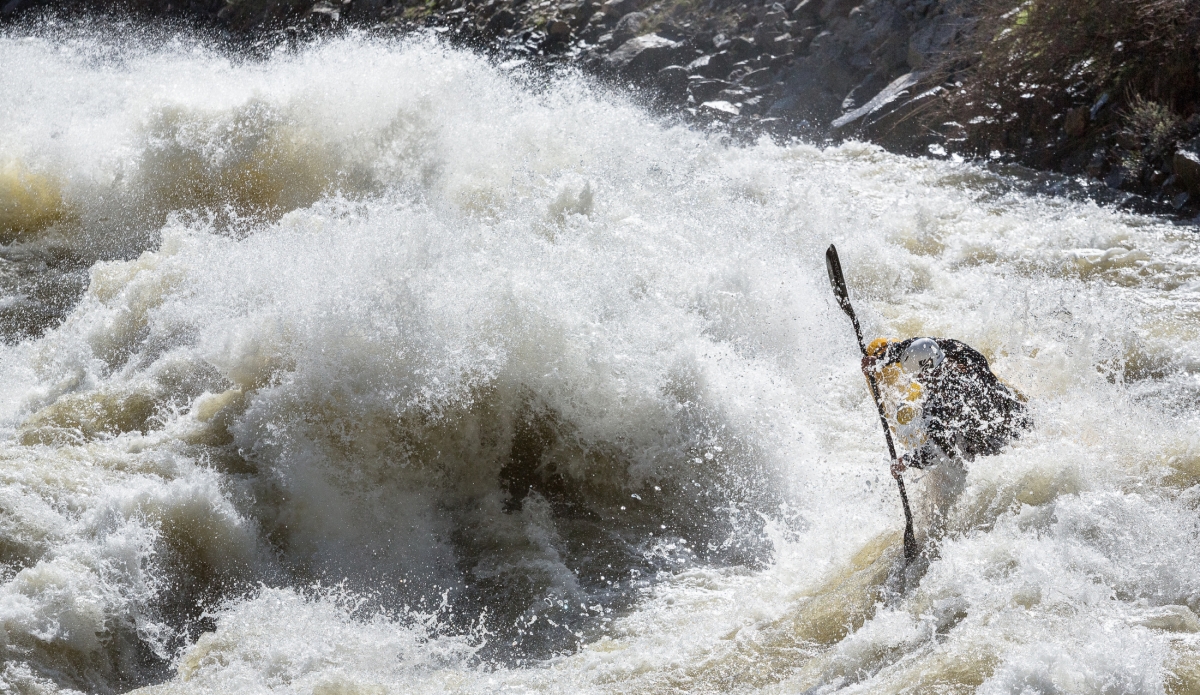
376,367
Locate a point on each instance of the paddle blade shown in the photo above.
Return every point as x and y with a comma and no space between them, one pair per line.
834,266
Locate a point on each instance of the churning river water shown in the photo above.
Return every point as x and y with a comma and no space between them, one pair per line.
377,367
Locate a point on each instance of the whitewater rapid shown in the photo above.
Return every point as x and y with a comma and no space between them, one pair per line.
379,367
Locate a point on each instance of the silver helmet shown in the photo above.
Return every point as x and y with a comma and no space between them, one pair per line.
922,354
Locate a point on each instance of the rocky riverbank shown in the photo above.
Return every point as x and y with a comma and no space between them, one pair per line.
901,73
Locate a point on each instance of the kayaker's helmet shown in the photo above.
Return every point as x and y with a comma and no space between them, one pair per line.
921,355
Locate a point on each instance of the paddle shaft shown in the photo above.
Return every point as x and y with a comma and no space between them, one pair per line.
842,294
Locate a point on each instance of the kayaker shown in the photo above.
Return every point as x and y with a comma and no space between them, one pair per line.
946,407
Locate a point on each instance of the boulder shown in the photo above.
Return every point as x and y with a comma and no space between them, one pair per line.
734,95
713,65
775,17
581,15
805,36
643,54
706,90
807,12
1186,163
557,31
628,27
756,78
504,19
784,44
741,47
1075,122
673,81
620,8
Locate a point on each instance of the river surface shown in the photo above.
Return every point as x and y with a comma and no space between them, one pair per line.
378,367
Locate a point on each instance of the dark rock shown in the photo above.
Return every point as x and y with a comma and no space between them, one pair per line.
557,31
807,12
620,8
1075,122
821,41
813,89
643,54
1129,141
1186,164
784,44
706,90
775,18
582,15
714,65
757,78
741,47
805,37
670,30
739,68
931,41
629,26
673,81
832,9
778,62
502,20
764,35
752,106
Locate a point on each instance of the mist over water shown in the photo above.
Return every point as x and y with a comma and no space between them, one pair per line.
378,367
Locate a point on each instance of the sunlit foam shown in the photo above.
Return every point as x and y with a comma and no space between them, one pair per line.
395,371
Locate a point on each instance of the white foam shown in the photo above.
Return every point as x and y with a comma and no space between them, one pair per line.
337,283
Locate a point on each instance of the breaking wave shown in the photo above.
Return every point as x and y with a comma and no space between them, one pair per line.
378,367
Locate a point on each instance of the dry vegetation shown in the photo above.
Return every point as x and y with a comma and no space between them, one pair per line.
1083,85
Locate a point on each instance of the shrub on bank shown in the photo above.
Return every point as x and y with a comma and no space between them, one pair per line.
1106,87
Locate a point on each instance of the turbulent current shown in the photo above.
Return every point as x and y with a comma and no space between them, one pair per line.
381,367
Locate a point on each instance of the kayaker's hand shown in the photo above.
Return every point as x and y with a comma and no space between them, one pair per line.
898,467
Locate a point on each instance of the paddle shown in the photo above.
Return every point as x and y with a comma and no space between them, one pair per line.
834,266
